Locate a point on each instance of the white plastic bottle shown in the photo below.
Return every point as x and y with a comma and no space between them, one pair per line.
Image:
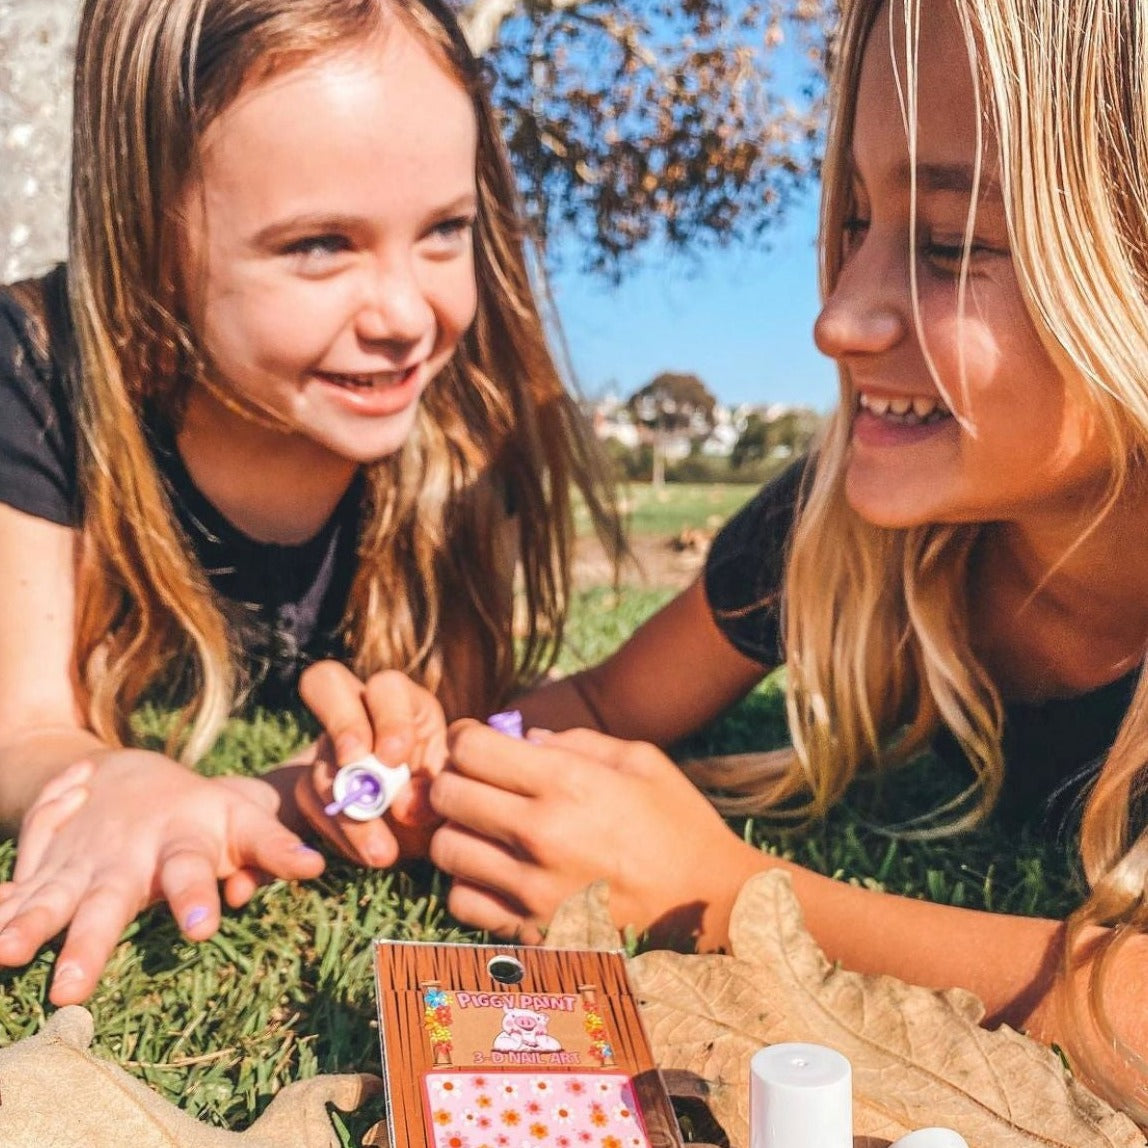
800,1095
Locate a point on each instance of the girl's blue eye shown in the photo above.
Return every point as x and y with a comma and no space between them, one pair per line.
951,257
314,248
948,252
452,229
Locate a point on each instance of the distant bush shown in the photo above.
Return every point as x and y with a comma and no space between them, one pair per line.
637,465
700,468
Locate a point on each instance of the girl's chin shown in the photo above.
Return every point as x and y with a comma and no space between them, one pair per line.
890,505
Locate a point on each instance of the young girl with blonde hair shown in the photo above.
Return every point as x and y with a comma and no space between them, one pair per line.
964,562
290,399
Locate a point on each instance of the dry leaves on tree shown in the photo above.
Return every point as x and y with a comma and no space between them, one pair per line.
919,1057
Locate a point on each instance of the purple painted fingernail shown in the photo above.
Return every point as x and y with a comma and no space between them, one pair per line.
508,722
303,847
196,917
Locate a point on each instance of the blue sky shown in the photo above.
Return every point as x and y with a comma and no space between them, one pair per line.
741,319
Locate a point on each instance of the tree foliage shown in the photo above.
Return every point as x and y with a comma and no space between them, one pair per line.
786,435
676,122
672,402
665,120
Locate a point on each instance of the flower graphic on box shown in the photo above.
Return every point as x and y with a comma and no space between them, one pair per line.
605,1115
437,1020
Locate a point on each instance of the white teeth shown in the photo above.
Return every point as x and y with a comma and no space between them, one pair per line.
904,410
382,379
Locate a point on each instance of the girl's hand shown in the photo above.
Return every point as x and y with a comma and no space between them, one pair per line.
530,824
135,828
398,722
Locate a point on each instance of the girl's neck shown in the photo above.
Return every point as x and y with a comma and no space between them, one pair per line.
1060,602
272,485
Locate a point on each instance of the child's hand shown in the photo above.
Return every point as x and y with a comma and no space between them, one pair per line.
108,841
530,824
398,722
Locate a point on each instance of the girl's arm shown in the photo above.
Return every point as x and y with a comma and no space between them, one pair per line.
104,831
528,825
677,672
674,674
41,731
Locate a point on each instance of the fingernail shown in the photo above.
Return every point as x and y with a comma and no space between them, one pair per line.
303,847
392,748
376,857
350,748
195,917
68,971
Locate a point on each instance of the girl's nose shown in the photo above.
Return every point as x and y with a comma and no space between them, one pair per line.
395,308
867,311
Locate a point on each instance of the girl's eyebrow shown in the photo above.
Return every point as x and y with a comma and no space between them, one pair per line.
284,228
951,177
292,226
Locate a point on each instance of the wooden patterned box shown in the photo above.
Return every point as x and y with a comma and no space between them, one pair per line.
497,1046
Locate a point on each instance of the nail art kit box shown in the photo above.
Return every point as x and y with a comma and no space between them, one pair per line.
509,1047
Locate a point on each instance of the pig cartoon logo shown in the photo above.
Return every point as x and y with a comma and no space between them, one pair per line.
524,1030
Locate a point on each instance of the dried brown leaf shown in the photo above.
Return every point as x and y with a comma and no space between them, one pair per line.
919,1057
583,922
53,1090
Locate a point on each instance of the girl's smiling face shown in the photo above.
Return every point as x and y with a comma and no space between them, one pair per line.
963,416
327,252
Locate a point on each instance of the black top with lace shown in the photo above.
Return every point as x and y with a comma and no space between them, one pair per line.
1053,750
284,603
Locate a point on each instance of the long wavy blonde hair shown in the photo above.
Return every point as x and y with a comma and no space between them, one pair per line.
433,592
876,620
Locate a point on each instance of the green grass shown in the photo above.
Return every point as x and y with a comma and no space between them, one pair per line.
285,989
677,505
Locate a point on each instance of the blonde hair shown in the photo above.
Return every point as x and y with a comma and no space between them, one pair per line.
432,594
876,620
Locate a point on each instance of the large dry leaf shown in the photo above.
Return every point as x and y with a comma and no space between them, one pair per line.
53,1091
919,1057
583,922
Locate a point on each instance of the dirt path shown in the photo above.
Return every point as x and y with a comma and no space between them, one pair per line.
658,564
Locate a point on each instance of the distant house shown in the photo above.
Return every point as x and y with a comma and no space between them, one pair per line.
611,420
723,436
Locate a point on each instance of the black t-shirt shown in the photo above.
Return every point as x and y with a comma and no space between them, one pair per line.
284,603
1052,750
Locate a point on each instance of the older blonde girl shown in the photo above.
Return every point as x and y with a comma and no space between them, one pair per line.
964,562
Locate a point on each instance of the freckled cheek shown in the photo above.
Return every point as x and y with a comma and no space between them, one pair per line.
971,366
456,310
257,334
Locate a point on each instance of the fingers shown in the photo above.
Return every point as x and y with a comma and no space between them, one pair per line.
484,754
379,718
391,704
240,887
262,843
484,872
42,821
29,917
96,928
365,842
599,747
337,699
495,813
186,867
79,773
478,860
482,909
